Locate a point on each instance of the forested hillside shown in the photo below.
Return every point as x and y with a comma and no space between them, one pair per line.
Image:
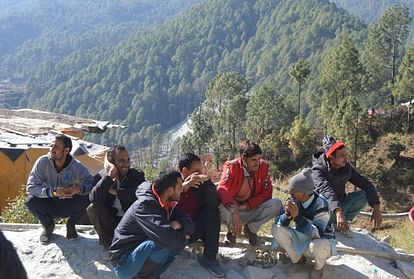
35,32
156,79
371,10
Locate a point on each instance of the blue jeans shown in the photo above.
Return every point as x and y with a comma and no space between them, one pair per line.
352,205
148,252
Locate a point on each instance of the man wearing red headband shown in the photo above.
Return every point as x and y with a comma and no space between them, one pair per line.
330,172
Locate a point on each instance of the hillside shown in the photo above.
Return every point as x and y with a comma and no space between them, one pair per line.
35,33
393,175
153,81
371,10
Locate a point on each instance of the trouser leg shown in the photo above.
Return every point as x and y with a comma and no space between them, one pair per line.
207,229
320,251
256,217
46,210
43,209
104,223
352,205
146,260
283,235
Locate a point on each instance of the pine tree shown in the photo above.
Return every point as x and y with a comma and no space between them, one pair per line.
404,86
266,113
300,72
384,47
226,112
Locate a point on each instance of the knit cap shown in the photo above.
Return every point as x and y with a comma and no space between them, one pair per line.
330,145
302,182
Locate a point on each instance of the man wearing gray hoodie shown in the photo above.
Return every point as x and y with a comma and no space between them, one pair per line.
58,187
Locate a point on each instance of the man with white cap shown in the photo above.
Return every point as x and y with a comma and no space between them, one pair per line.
313,232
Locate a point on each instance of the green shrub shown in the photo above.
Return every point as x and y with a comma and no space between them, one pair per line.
17,212
394,150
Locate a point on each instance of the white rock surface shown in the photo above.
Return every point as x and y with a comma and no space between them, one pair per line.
81,258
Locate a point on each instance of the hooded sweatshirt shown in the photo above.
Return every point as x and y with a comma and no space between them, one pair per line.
331,183
44,178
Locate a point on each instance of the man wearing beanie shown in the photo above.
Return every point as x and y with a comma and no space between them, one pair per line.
311,238
330,172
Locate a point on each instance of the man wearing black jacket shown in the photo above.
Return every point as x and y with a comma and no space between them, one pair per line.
152,231
113,193
330,172
200,201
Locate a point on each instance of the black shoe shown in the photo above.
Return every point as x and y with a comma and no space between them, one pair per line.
212,266
71,231
253,238
47,233
229,239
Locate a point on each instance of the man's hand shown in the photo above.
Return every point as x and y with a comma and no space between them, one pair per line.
110,168
237,224
291,208
341,222
175,225
194,180
68,192
376,216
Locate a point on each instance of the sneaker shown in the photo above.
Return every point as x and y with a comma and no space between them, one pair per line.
47,233
253,238
212,266
229,239
71,231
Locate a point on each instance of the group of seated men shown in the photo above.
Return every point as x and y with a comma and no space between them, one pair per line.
143,225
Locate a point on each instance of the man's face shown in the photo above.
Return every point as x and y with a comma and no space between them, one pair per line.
252,163
177,190
299,196
122,162
57,151
196,167
340,158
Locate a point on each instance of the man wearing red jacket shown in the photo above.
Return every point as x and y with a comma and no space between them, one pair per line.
245,191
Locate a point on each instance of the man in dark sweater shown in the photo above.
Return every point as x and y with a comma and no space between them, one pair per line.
330,172
113,193
152,231
200,201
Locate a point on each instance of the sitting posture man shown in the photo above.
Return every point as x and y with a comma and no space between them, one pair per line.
113,193
310,211
200,201
58,187
152,231
245,191
330,172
